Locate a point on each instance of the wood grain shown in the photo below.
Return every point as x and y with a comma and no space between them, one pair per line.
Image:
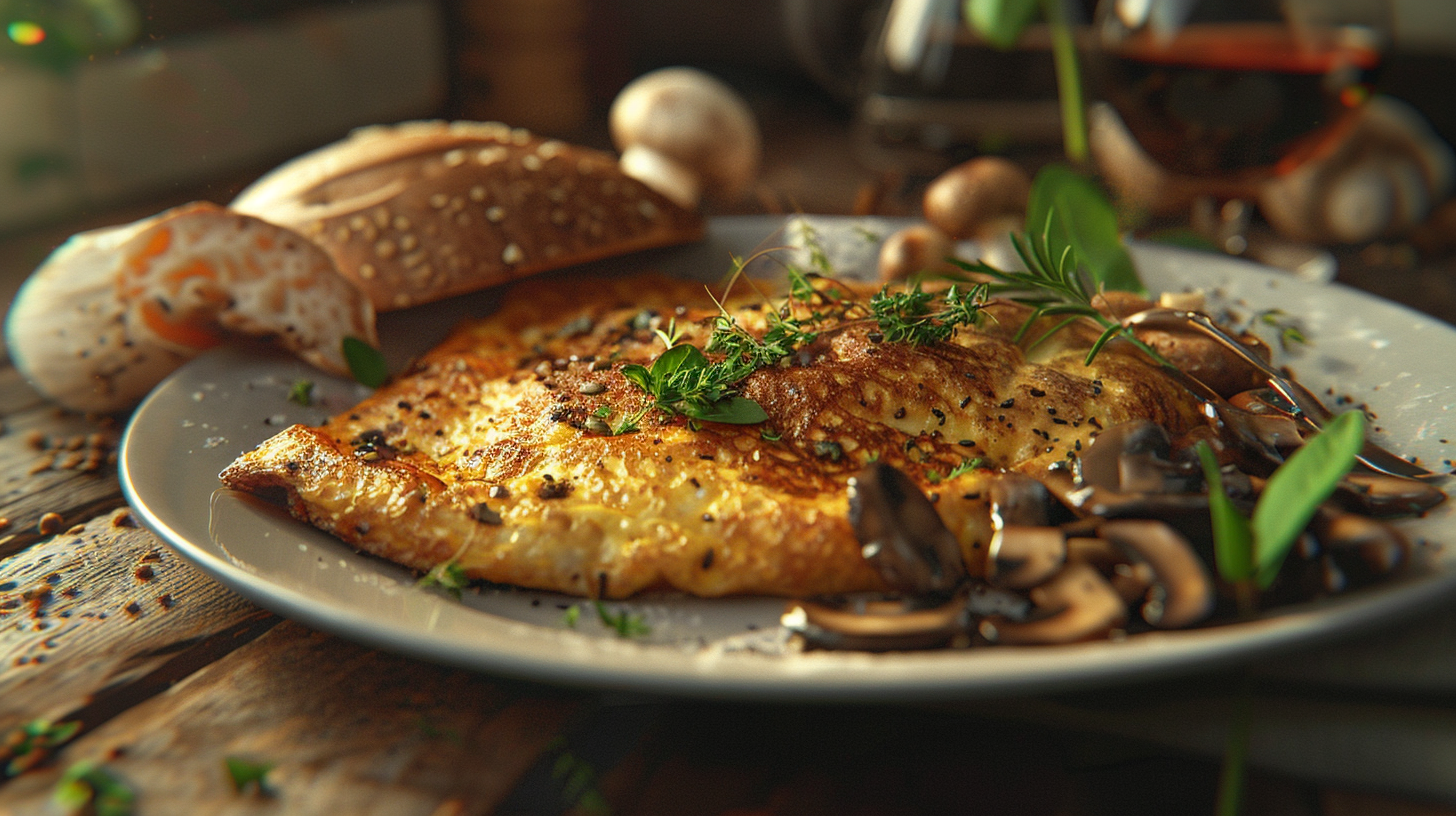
347,729
91,612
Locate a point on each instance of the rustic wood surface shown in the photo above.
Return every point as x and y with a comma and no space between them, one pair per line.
169,675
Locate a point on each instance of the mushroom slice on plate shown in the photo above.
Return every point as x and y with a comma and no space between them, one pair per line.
1183,593
876,625
113,311
900,533
1079,604
1021,557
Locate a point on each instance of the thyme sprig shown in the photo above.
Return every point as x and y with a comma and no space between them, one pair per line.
917,317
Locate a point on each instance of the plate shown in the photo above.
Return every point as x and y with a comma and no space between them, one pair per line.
1361,348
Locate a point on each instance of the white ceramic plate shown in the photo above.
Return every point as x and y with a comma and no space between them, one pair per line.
225,402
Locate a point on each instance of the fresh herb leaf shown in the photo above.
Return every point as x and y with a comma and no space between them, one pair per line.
732,410
1054,282
449,577
671,335
1077,216
578,779
1297,488
301,392
245,773
917,317
625,623
677,359
571,616
366,364
966,466
33,743
89,787
1001,22
1233,539
1254,549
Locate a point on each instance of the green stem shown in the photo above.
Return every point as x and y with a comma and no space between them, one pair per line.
1235,753
1069,82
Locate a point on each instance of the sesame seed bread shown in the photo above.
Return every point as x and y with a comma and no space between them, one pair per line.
420,211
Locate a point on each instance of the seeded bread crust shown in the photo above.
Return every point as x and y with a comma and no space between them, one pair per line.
421,211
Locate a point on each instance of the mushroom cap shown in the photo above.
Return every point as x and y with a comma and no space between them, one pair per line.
690,119
1187,589
973,192
419,211
915,249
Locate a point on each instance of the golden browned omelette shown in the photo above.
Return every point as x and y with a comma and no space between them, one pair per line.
497,450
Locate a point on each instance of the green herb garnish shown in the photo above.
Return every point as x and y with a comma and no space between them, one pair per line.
1289,333
30,744
1249,551
246,773
449,577
301,392
1067,262
578,779
918,318
623,622
682,381
571,616
89,787
366,363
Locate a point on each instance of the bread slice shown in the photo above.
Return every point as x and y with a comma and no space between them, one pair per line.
420,211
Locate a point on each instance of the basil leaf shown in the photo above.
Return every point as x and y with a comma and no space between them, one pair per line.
1075,213
1233,540
639,376
366,364
244,772
1000,21
730,410
1294,492
677,358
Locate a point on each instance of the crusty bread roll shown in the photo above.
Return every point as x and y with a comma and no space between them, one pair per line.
423,210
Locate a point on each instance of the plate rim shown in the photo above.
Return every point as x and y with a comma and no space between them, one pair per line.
623,665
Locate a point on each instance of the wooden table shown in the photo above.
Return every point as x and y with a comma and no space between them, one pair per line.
169,675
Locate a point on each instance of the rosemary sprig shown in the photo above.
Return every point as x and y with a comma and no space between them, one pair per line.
1074,253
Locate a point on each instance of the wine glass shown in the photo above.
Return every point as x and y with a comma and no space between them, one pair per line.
1236,89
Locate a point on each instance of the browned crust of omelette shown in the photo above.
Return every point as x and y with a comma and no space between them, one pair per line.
484,452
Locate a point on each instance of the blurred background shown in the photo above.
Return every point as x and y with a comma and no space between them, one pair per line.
105,102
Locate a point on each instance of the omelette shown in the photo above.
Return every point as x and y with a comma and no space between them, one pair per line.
520,452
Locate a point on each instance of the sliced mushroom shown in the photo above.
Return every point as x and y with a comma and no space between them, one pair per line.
1021,557
1183,593
1018,499
1378,548
876,625
900,533
1381,494
1079,604
1136,457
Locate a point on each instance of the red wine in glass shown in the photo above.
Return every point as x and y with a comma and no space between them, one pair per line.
1235,99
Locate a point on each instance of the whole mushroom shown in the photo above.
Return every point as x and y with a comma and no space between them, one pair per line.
686,133
965,198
